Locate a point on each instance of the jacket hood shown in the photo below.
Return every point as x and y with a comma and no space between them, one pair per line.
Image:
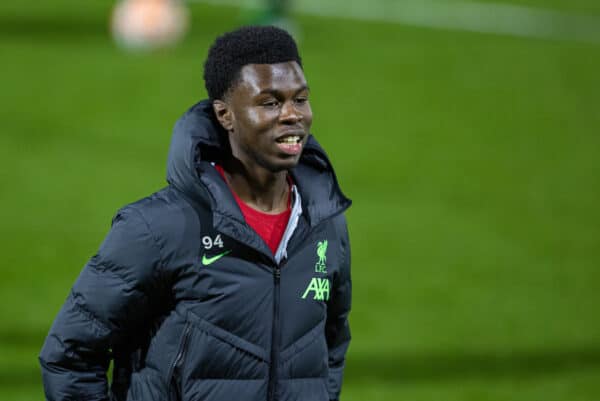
199,139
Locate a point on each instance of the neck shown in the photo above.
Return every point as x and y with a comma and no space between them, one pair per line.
258,187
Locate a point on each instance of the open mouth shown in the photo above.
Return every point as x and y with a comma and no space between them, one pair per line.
290,144
290,139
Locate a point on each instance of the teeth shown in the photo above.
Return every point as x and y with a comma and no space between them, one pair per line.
290,139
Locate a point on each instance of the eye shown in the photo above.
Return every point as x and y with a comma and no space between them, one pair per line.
301,100
270,103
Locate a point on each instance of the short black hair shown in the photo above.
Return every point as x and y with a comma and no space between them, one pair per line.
246,45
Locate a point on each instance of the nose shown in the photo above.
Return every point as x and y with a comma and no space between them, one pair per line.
290,114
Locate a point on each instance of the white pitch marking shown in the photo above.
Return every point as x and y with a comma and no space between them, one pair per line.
492,18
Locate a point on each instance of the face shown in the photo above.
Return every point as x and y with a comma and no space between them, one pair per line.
267,115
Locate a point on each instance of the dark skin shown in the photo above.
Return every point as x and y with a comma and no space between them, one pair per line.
265,110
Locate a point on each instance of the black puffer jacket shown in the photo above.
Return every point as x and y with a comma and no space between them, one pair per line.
192,305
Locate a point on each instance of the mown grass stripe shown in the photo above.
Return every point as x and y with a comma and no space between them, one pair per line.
490,18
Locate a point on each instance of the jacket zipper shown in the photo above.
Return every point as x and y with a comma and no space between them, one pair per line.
179,358
274,337
272,387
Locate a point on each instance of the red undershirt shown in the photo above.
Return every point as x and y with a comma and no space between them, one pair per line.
270,227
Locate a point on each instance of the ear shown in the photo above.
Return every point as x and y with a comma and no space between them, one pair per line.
224,114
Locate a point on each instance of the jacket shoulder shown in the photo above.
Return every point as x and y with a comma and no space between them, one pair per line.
341,226
173,221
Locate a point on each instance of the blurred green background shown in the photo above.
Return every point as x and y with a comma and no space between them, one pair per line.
473,161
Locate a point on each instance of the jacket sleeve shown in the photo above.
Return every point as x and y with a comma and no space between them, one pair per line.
337,329
109,298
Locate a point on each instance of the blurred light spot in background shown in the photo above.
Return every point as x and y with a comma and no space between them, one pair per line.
149,24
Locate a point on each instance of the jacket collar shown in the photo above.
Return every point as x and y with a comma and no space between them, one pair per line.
198,140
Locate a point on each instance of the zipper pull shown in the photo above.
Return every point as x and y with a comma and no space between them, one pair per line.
277,273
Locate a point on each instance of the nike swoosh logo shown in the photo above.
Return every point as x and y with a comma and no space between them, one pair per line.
207,261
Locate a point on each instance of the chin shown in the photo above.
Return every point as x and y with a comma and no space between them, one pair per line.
283,164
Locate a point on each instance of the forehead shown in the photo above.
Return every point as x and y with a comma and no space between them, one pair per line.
256,78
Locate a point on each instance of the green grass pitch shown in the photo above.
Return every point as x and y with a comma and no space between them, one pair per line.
473,161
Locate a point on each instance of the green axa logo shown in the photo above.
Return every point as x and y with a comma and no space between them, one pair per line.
320,266
319,287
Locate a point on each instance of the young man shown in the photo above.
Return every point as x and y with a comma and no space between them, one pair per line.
233,283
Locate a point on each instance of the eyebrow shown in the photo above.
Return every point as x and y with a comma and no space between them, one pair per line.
270,91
